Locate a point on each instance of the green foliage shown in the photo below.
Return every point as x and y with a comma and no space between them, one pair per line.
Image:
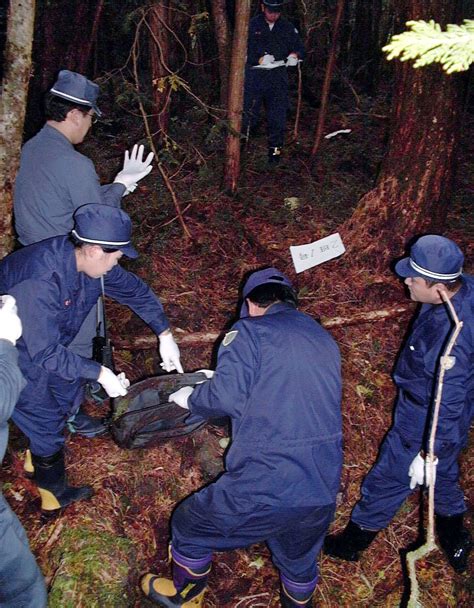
427,43
91,569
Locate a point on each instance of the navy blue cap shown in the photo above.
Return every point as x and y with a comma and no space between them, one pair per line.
432,257
76,88
273,5
106,226
261,277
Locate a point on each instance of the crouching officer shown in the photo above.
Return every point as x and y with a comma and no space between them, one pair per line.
278,378
273,45
434,267
56,283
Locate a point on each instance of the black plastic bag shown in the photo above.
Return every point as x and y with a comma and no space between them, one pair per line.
144,418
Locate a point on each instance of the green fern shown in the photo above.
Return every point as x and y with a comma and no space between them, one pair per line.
427,43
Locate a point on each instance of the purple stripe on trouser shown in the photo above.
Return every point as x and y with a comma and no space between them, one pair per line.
186,569
298,591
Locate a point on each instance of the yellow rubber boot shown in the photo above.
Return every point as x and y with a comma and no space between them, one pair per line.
28,467
164,593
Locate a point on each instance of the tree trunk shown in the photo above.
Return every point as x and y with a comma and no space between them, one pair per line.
365,45
84,58
221,28
328,77
414,185
159,54
21,16
236,93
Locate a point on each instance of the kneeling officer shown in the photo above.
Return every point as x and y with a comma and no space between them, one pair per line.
56,282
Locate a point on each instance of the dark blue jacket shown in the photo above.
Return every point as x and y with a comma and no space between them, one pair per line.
53,299
53,181
279,380
417,370
279,41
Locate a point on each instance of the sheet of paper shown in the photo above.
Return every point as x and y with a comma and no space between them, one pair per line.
269,66
312,254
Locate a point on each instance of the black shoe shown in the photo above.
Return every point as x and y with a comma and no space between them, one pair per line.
349,543
455,540
87,426
274,155
50,477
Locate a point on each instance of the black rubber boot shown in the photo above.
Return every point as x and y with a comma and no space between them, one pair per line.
187,587
455,540
349,543
50,477
87,426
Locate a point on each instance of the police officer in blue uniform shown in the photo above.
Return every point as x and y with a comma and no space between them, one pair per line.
21,582
278,378
56,283
273,45
434,266
55,179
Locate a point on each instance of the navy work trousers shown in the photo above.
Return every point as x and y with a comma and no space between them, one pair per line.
270,88
21,582
387,485
293,535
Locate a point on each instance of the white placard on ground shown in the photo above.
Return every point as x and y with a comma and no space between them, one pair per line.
312,254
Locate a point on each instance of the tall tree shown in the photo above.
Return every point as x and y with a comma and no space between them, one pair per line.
236,93
414,185
221,28
18,47
159,54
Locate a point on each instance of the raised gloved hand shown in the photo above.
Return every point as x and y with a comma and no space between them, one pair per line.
169,353
181,396
291,60
114,385
10,323
266,59
134,168
417,471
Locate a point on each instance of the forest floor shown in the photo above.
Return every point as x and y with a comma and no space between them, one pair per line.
94,553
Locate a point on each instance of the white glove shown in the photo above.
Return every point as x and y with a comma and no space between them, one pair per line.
291,61
266,59
169,352
134,168
124,381
209,373
417,472
181,397
10,323
114,386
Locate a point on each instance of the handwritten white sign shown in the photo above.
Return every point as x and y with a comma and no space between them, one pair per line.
312,254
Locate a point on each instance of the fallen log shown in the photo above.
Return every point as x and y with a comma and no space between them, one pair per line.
150,341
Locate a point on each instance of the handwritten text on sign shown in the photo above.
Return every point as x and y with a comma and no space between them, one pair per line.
307,256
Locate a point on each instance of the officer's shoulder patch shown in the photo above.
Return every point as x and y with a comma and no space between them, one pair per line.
230,337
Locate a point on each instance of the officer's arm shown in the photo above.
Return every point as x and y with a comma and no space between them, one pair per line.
296,44
128,289
41,310
227,393
11,380
84,186
458,381
255,48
